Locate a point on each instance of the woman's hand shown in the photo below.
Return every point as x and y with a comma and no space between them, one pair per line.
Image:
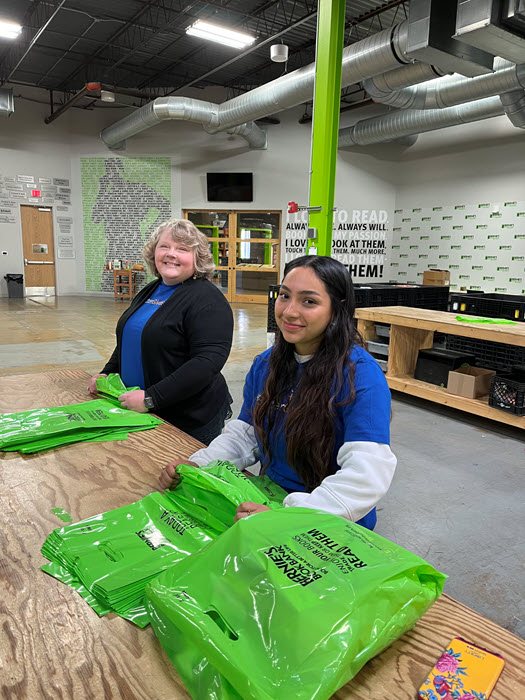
248,508
169,478
133,401
92,388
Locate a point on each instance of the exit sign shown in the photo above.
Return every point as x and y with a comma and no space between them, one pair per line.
35,193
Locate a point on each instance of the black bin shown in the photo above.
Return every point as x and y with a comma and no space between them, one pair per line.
433,365
15,286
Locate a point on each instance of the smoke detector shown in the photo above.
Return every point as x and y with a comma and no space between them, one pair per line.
279,53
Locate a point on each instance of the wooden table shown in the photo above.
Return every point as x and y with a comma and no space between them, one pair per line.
52,644
412,329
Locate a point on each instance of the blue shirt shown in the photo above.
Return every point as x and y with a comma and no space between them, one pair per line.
366,419
131,370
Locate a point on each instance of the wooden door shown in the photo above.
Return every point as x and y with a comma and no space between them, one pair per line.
39,250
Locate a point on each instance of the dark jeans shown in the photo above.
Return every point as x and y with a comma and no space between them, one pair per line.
207,433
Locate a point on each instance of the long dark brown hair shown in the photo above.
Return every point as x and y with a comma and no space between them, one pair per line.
310,402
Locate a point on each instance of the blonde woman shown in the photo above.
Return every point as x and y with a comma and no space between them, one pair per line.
176,335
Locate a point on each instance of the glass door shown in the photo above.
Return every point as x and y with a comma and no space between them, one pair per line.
257,242
246,248
215,225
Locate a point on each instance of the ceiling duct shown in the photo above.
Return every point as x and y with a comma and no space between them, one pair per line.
373,55
449,90
394,125
7,102
494,26
431,26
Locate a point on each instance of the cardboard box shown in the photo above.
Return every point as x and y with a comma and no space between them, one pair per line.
437,278
470,381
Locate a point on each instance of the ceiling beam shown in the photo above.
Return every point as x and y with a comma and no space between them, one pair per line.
257,14
16,54
129,25
306,18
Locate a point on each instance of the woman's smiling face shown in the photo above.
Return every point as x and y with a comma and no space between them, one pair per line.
303,310
175,261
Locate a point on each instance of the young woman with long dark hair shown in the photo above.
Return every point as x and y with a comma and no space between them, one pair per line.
316,409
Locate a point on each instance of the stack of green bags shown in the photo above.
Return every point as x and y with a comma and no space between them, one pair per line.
112,556
109,558
95,421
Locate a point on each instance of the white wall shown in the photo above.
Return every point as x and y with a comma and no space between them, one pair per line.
28,146
465,166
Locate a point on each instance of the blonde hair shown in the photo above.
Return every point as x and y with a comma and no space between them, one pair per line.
182,231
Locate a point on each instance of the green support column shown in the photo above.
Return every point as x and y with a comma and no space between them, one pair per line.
214,246
325,125
267,246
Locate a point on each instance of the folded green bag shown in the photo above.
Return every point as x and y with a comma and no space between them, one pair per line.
212,493
111,387
287,604
59,421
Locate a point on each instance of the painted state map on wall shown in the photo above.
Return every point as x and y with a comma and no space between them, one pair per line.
123,201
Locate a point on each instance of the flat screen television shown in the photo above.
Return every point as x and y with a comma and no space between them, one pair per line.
229,187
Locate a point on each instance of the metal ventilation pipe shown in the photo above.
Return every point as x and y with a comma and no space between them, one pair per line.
407,122
371,56
177,108
412,74
449,90
514,106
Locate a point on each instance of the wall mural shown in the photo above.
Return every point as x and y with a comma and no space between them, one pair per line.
123,201
360,240
483,245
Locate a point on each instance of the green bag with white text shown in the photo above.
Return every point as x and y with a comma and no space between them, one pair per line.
286,604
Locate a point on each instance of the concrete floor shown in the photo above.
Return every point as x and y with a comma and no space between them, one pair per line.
457,497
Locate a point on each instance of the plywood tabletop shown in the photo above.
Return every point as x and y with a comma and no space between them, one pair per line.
53,645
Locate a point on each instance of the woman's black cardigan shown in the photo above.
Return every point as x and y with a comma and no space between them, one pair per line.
185,344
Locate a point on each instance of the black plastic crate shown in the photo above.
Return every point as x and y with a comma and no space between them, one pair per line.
509,306
433,365
273,291
507,393
430,297
362,297
498,356
390,295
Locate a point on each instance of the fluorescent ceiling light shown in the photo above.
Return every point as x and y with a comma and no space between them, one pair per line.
213,32
9,30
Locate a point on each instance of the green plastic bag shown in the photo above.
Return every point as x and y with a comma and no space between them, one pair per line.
109,558
273,492
113,555
111,387
60,423
476,319
213,492
287,604
43,444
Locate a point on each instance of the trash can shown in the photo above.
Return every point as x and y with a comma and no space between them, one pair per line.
15,286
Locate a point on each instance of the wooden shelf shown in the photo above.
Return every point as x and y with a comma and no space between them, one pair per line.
124,284
439,394
413,329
